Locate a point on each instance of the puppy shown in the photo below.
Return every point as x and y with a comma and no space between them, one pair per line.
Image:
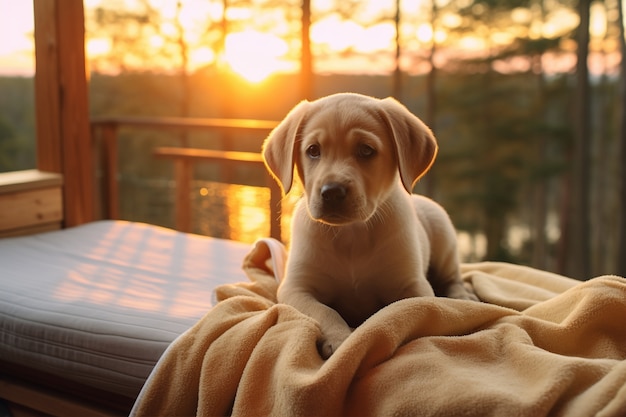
359,239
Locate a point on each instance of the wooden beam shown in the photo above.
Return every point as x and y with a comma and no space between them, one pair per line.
62,109
188,123
206,155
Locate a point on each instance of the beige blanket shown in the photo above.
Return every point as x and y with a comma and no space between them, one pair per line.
539,344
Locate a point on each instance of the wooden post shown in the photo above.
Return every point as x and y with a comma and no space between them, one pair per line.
62,106
109,166
275,208
183,175
47,88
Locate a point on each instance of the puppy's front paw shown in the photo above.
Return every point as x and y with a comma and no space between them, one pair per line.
330,342
461,292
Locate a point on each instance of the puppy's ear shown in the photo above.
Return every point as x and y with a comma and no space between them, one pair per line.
416,146
279,149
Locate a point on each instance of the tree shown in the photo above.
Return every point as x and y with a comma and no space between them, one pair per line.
621,267
128,33
17,129
511,135
580,249
497,135
540,197
9,147
306,57
396,84
431,90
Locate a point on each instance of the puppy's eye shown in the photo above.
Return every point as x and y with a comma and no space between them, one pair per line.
313,151
365,151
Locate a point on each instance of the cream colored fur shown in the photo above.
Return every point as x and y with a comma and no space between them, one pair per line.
359,239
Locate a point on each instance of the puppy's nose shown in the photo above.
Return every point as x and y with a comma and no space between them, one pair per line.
333,192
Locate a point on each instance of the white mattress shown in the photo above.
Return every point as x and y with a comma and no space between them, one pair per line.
99,303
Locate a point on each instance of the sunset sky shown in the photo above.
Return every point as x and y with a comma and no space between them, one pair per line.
249,52
255,54
16,28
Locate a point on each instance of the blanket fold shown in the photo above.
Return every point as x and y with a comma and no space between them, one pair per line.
539,344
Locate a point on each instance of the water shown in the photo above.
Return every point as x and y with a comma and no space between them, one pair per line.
227,211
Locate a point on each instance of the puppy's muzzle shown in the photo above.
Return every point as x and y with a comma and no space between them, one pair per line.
333,194
333,206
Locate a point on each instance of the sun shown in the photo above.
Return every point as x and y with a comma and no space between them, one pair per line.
255,55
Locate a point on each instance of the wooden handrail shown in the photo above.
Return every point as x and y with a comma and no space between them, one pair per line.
196,155
106,130
186,123
184,160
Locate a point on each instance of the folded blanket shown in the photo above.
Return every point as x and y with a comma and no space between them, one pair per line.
539,344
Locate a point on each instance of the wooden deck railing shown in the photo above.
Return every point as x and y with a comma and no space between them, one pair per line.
106,131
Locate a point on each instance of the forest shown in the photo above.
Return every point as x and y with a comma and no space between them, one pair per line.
530,124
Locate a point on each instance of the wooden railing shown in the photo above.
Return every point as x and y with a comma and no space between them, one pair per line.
105,130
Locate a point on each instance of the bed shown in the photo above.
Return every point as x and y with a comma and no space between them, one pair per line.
86,312
113,317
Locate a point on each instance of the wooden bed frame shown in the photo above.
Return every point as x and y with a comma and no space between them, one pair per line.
27,398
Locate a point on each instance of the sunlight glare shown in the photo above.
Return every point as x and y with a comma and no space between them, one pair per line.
559,23
168,29
190,10
254,55
157,41
375,38
472,43
324,5
202,56
502,38
451,20
98,46
424,33
249,217
238,13
522,15
598,24
340,35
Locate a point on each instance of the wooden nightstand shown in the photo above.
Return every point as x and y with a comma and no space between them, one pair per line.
30,202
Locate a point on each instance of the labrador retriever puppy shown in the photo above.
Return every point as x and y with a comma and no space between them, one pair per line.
359,239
